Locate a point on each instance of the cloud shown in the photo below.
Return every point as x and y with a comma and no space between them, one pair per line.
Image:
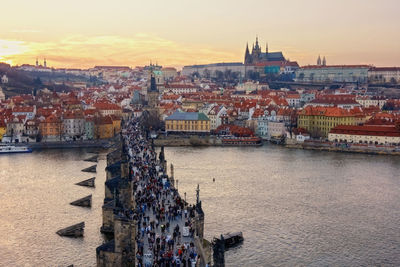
25,31
86,51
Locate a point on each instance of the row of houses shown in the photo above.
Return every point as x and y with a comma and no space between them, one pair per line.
348,74
56,127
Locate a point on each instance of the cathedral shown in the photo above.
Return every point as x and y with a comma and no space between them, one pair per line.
257,56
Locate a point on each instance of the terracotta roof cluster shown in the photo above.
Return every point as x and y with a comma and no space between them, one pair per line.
367,130
106,106
330,112
234,130
23,109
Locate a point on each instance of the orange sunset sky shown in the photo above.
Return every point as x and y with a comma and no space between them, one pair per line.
84,33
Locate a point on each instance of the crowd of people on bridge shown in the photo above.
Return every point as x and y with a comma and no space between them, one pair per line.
164,221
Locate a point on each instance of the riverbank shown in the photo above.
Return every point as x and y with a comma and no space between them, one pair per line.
105,143
353,148
210,140
193,141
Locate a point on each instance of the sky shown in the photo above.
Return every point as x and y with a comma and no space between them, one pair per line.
85,33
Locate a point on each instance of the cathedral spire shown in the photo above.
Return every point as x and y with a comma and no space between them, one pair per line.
266,50
324,61
247,54
257,46
319,60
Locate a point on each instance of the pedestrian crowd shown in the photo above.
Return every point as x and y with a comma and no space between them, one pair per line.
164,220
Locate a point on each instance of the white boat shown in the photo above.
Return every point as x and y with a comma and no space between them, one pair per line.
14,149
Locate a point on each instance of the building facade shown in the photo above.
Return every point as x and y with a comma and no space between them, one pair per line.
384,75
366,134
187,122
332,73
318,121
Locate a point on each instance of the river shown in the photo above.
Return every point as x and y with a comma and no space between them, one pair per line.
294,207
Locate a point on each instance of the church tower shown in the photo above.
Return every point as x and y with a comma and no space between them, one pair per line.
152,93
324,61
257,52
45,63
247,58
319,61
37,62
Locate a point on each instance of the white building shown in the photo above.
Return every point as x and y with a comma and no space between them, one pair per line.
384,75
215,115
73,127
332,73
180,88
2,95
4,79
368,101
374,135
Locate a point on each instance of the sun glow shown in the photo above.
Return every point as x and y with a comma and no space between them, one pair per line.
9,49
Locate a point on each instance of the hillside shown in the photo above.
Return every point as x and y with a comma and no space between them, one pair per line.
23,82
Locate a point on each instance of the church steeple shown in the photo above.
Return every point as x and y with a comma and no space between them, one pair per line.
247,54
266,48
324,61
319,60
257,47
37,62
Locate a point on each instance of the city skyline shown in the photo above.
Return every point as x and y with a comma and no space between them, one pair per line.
176,33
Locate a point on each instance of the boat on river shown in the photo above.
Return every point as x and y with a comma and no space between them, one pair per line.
231,239
6,149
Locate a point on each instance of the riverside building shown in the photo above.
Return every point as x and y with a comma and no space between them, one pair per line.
187,122
319,121
366,134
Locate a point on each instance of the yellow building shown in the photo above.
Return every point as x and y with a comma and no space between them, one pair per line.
318,121
3,129
190,122
104,128
116,124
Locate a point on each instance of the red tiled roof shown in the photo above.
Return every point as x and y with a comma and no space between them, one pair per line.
330,112
366,130
23,109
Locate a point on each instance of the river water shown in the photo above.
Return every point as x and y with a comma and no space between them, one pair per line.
294,207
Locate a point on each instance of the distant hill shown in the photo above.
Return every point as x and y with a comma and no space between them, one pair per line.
23,82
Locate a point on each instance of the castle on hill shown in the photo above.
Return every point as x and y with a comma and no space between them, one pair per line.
257,56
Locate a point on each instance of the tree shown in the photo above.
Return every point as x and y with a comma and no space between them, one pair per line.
219,76
207,73
195,75
151,121
227,74
37,82
253,75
